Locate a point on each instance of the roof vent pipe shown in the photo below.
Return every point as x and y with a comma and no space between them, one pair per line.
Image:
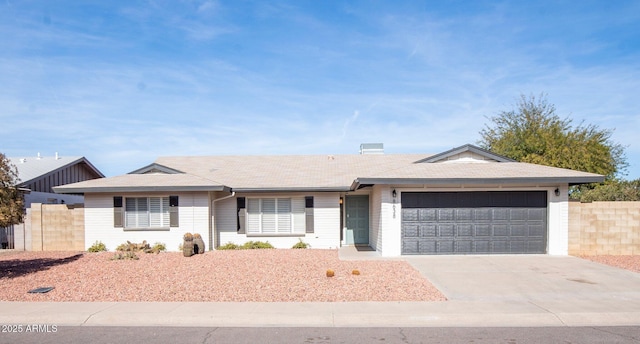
57,157
38,156
372,148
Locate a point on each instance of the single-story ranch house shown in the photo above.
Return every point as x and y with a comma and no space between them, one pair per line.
463,201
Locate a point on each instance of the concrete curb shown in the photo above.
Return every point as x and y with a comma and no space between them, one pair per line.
312,314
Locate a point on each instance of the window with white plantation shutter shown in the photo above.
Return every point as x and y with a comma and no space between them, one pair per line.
146,212
269,219
253,215
272,216
299,215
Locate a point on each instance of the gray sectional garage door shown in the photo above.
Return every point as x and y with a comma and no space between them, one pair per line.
491,222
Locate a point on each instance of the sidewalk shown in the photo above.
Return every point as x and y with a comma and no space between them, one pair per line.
350,314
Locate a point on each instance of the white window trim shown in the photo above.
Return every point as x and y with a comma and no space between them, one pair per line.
296,219
164,214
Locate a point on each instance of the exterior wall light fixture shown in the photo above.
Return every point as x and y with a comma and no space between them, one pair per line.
557,192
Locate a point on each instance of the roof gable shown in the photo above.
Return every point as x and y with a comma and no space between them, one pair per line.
155,168
467,154
34,168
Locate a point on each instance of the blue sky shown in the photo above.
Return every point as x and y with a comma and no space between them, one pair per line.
123,82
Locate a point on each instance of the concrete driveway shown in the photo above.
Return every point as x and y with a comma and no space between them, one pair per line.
528,278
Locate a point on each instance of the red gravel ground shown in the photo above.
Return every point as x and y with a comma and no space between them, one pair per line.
631,263
269,275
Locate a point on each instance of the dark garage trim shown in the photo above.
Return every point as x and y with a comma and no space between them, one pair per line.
475,199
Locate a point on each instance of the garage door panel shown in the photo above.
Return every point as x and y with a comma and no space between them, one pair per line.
446,230
411,246
519,214
427,215
500,222
482,246
483,215
428,231
501,230
410,214
464,230
533,246
465,215
410,230
519,230
500,215
537,214
500,246
537,230
446,215
445,246
428,247
519,246
464,246
483,230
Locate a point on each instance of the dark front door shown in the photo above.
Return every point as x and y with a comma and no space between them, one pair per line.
357,220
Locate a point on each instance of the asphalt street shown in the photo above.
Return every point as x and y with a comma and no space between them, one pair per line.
318,335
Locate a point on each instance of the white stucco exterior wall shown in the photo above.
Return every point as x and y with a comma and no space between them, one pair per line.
390,221
326,218
193,218
558,217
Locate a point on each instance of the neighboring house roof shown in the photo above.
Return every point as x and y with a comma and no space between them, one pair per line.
467,164
33,169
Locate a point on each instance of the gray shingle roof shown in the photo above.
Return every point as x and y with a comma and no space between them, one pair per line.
322,172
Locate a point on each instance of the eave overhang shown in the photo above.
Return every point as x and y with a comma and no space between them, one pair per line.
477,181
138,189
293,189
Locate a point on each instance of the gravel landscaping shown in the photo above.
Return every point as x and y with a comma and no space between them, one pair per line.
631,263
269,275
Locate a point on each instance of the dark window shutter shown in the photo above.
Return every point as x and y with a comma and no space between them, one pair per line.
173,211
308,205
118,213
241,214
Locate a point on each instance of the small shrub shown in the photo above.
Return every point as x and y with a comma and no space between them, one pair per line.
142,247
249,245
229,246
355,272
180,247
98,246
252,245
157,248
330,273
125,255
301,244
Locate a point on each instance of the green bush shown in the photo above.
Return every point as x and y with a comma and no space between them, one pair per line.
229,246
158,247
301,244
98,246
249,245
252,245
142,247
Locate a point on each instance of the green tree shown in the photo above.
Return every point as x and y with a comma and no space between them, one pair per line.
534,133
610,190
11,199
